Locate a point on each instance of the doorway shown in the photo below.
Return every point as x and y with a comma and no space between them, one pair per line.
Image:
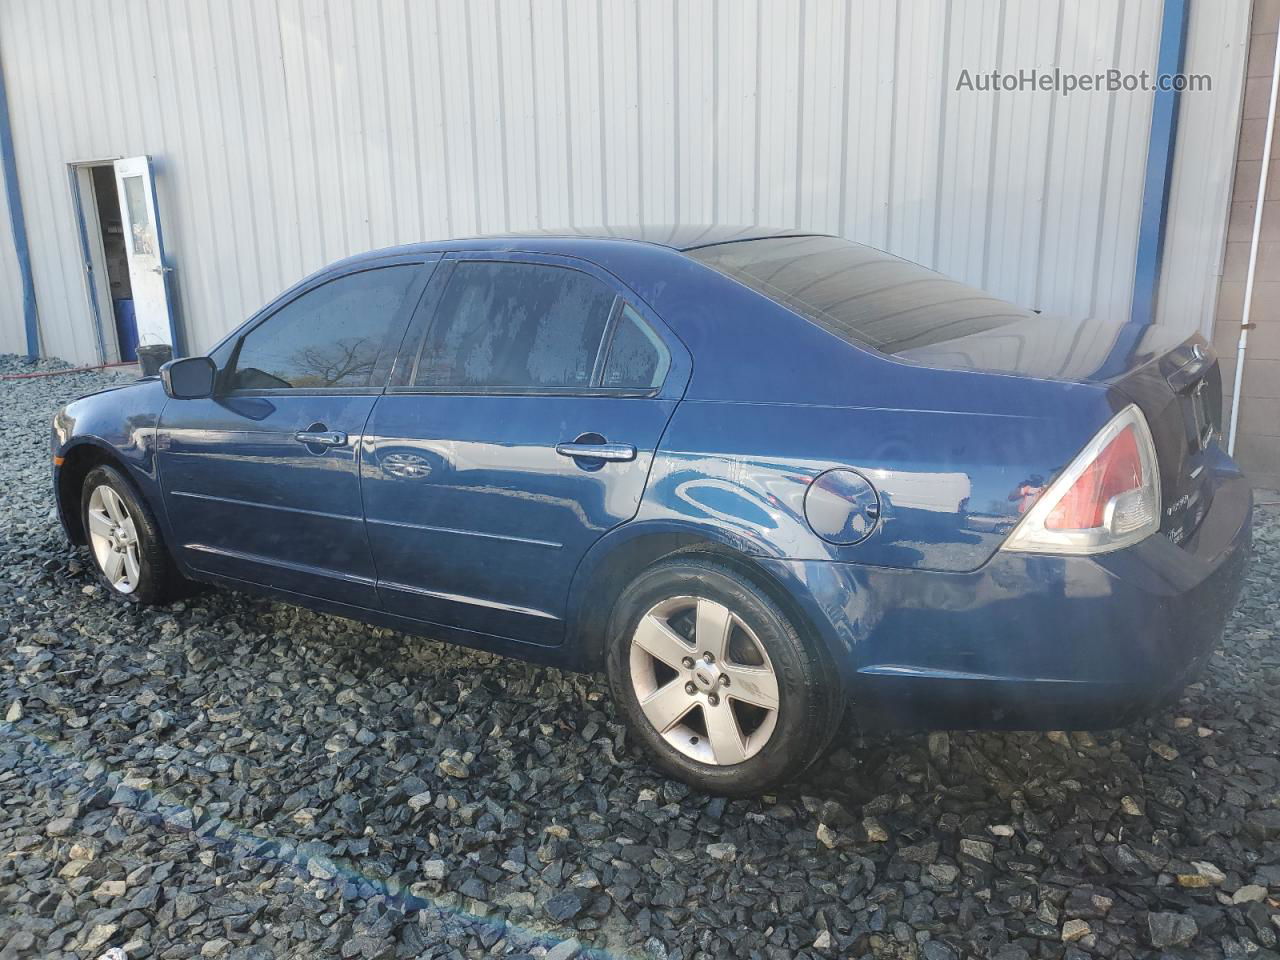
118,303
126,274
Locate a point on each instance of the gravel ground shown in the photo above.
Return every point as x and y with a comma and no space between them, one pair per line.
230,777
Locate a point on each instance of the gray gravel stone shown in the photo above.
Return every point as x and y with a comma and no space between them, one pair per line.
1264,823
435,870
1171,929
565,906
564,950
936,950
722,851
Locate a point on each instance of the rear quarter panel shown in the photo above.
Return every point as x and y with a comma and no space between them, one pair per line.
775,400
948,481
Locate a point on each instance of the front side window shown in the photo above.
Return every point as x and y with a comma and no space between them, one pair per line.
517,325
328,337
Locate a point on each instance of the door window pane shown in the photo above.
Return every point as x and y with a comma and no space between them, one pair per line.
515,325
139,222
637,357
328,337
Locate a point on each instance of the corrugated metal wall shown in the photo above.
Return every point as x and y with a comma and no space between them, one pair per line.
1204,166
288,134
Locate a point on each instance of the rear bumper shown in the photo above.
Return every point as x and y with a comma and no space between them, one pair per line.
1033,642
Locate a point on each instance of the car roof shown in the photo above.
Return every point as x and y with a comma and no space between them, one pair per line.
677,237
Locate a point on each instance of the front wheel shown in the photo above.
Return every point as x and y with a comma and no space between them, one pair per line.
715,681
124,540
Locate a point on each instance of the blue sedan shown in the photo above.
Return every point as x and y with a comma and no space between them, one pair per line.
758,477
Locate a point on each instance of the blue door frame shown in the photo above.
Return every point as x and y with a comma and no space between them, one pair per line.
1159,176
18,225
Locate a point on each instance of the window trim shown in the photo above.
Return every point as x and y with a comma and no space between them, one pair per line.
620,307
430,304
382,367
633,392
605,346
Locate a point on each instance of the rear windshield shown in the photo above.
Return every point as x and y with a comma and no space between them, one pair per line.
859,293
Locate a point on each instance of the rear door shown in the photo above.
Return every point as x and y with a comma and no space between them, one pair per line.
519,427
262,480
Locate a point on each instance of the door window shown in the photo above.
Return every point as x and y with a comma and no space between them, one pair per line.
515,325
638,359
328,337
139,224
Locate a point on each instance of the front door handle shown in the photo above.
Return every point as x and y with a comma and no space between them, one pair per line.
597,451
321,438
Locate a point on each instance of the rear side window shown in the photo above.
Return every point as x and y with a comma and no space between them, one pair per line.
328,337
860,294
638,359
515,325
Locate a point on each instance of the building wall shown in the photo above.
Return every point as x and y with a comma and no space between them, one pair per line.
287,134
1203,166
1258,441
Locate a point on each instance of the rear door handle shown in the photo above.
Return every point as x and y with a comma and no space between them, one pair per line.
597,451
321,438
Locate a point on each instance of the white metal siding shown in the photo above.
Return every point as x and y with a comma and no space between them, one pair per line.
287,134
1204,167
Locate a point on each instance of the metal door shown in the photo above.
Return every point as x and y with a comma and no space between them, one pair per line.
262,479
144,249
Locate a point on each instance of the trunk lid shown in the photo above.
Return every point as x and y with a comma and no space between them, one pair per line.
1180,393
1175,381
1084,350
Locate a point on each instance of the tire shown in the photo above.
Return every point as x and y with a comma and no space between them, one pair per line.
124,540
648,659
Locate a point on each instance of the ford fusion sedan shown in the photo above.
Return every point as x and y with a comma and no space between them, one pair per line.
758,477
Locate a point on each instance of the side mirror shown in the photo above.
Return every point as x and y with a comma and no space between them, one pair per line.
191,378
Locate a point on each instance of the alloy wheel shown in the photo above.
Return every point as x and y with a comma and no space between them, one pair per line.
704,680
114,538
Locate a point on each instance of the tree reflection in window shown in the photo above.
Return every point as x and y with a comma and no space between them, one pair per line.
328,337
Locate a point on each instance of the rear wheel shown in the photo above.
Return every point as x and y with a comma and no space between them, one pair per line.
124,540
715,681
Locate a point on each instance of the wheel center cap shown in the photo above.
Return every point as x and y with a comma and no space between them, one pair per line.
703,678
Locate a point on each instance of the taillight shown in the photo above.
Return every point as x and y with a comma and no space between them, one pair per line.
1108,498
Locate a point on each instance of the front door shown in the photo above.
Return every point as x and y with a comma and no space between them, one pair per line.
144,251
525,414
262,481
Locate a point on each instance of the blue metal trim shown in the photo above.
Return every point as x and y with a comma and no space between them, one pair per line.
1155,192
18,226
176,339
